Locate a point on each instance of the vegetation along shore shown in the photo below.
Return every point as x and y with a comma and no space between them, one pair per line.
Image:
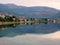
10,19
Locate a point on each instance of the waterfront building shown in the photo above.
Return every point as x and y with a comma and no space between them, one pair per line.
22,18
2,15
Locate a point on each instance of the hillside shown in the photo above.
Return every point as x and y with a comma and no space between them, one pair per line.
35,11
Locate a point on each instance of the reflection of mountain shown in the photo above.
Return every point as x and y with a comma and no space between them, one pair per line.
36,11
34,29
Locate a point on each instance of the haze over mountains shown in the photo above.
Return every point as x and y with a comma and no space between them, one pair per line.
35,11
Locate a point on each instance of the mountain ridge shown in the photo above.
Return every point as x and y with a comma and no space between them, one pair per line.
34,11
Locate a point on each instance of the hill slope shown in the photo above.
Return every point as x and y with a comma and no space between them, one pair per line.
35,11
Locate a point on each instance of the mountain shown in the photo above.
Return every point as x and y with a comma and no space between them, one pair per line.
35,11
57,15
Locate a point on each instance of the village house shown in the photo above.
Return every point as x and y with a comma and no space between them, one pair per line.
22,18
2,15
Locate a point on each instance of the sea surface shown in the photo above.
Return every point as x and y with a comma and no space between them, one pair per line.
30,34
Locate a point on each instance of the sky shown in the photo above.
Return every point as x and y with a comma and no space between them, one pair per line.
49,3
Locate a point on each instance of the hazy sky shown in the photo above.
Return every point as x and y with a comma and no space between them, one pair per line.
50,3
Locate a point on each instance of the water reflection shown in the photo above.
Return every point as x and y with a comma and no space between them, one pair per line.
11,30
30,34
32,39
5,26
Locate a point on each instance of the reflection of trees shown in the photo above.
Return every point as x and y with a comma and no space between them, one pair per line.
7,26
4,26
24,29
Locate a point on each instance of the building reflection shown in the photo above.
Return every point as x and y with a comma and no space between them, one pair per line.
6,26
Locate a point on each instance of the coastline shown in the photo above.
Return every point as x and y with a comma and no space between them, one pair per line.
21,22
2,23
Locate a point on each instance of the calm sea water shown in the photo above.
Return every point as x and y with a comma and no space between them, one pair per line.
30,34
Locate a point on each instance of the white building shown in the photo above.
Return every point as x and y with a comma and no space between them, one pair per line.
2,15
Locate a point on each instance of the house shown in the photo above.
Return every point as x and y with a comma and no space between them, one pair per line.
21,18
2,15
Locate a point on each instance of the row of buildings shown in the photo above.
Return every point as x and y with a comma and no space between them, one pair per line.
22,18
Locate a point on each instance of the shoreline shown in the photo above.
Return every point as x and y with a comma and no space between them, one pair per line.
2,23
